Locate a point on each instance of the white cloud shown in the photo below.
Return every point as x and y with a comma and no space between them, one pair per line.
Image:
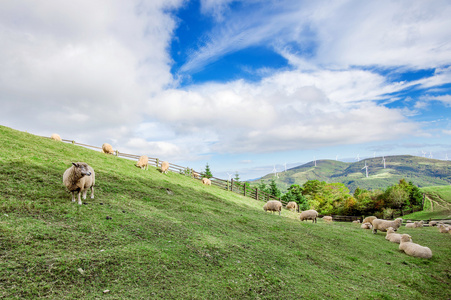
83,69
335,34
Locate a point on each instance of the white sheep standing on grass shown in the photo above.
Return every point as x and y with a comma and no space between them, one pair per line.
369,219
382,225
206,181
107,148
392,236
143,162
413,249
310,214
273,205
79,178
56,137
292,206
164,167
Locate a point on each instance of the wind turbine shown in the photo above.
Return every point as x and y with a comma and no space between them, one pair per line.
358,157
314,159
383,159
374,155
285,165
275,172
446,156
424,153
366,168
430,154
230,175
336,157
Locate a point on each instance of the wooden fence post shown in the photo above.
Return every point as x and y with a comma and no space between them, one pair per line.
157,162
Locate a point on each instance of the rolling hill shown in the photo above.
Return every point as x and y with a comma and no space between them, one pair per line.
149,235
421,171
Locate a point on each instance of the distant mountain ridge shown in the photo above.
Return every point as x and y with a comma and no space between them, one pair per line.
420,170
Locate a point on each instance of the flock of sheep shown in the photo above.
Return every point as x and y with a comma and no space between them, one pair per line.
404,240
80,177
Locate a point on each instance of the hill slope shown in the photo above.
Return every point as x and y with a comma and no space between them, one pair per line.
421,171
170,237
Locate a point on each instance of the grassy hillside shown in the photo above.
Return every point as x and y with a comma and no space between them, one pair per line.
421,171
170,237
437,204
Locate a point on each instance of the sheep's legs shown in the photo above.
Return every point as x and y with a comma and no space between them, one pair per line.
73,196
92,192
79,198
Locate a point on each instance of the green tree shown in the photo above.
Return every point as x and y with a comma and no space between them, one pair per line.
294,193
237,177
273,189
207,172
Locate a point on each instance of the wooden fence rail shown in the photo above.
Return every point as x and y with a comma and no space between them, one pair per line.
229,185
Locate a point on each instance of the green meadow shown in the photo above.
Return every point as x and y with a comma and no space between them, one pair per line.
149,235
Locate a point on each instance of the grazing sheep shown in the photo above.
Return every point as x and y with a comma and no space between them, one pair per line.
366,225
309,215
164,167
206,181
392,236
196,175
79,178
369,220
356,221
56,137
273,205
328,219
382,225
433,223
413,249
107,148
292,206
443,228
143,162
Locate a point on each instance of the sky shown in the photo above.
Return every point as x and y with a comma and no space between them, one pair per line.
247,86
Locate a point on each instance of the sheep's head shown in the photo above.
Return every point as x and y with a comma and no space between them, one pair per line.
398,221
82,168
406,238
390,230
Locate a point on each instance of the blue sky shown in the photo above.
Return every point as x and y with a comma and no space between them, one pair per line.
244,86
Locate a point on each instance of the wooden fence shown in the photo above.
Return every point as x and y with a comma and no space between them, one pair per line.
229,185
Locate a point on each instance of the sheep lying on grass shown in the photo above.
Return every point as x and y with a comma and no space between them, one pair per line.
55,137
309,215
412,225
164,167
328,219
443,228
366,226
107,148
356,221
433,223
392,236
206,181
413,249
79,178
369,220
143,162
292,206
273,205
382,225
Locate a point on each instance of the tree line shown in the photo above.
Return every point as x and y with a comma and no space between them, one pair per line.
335,198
